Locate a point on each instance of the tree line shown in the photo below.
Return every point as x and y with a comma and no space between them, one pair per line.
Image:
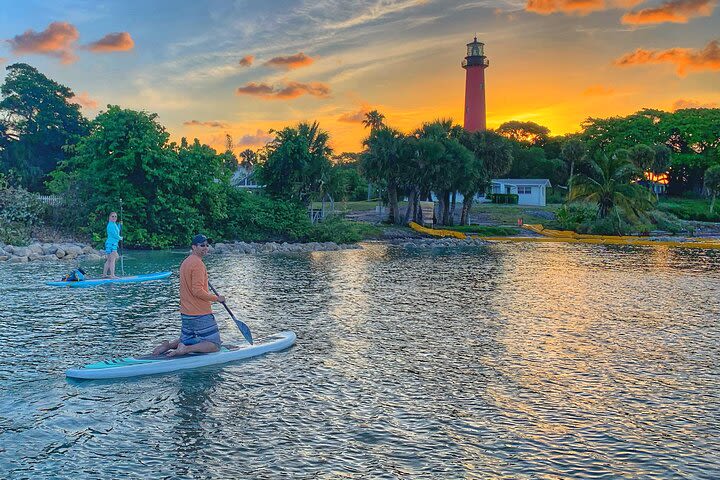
46,145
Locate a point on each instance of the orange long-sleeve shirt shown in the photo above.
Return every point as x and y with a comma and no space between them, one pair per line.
194,296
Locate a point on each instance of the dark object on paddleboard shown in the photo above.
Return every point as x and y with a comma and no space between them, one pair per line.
154,364
103,281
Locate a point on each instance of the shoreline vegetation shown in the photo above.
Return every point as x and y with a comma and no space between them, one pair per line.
648,173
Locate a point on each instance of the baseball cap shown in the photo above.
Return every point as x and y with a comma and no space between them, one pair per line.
198,239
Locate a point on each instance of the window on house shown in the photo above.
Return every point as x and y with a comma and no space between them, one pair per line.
524,190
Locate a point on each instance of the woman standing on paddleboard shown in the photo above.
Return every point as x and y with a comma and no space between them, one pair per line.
111,245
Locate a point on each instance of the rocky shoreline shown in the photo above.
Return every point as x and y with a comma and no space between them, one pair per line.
71,251
77,251
49,252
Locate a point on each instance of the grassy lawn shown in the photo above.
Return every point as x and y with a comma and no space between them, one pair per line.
484,231
690,208
509,214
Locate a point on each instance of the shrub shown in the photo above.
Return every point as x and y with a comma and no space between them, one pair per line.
509,198
570,215
20,210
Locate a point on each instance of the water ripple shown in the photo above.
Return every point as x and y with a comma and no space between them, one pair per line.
502,361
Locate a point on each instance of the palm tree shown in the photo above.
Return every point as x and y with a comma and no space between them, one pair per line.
385,153
374,120
247,158
573,152
610,185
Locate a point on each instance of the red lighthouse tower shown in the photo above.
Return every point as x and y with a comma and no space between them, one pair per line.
475,64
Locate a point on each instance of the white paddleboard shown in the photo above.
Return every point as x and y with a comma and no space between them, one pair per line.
150,365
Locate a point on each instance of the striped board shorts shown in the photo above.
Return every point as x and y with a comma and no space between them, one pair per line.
199,328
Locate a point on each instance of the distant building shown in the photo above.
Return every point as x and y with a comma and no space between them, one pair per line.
244,179
530,191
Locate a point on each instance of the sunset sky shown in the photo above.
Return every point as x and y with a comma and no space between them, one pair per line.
243,67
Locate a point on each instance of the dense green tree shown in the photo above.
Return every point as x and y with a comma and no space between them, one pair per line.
609,185
525,132
610,134
169,192
39,125
297,163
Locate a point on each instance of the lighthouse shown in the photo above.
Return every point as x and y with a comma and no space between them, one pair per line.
475,64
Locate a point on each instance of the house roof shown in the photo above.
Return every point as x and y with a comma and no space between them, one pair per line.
523,181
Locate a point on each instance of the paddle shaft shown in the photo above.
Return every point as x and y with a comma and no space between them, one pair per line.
244,329
122,261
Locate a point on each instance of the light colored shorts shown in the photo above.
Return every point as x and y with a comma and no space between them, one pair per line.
199,328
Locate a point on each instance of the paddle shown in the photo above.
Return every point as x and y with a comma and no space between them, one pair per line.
244,329
122,260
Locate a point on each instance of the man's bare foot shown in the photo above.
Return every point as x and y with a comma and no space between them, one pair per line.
113,276
180,350
162,348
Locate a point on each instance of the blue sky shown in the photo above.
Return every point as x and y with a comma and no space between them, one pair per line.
554,62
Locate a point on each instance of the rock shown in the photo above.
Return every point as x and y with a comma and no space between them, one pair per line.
36,248
21,251
60,253
18,259
88,249
3,252
9,249
33,257
93,257
73,250
4,258
50,249
48,257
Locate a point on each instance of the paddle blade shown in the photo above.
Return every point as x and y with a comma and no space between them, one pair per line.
244,329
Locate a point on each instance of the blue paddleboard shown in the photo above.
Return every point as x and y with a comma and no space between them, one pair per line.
103,281
153,364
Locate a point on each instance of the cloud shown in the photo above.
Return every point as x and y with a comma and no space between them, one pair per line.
354,117
675,11
83,99
576,7
56,41
681,104
685,59
598,91
279,92
112,42
260,137
247,60
211,124
290,62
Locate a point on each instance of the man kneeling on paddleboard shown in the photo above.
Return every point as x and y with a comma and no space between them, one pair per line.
199,329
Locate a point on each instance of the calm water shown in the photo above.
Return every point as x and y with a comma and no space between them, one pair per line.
506,361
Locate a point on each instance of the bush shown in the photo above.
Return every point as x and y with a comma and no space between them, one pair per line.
609,225
14,233
570,215
253,217
508,198
20,210
667,221
690,209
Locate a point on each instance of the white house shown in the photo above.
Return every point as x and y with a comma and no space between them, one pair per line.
530,191
244,178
